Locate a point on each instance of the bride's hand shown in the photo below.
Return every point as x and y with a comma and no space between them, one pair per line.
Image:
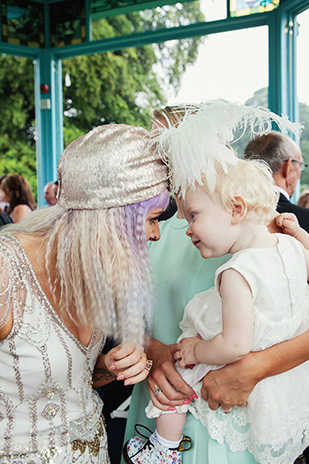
128,363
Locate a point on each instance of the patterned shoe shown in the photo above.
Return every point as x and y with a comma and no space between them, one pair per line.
139,451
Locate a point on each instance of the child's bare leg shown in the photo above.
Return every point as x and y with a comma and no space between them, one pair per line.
163,444
170,426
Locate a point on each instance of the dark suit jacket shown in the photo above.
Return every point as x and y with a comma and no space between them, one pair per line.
4,219
302,214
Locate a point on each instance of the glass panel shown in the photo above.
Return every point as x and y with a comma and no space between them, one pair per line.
230,65
214,9
247,7
67,22
123,86
303,89
179,14
22,23
105,8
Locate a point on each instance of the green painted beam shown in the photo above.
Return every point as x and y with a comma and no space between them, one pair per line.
293,6
19,50
161,35
103,11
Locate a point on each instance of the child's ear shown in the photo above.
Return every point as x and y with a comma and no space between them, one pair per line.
239,210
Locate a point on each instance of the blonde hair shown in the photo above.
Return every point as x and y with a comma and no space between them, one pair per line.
174,114
253,182
102,264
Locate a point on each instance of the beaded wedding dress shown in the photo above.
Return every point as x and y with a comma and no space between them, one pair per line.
49,412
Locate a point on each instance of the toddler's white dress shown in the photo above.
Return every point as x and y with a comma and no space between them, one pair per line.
274,426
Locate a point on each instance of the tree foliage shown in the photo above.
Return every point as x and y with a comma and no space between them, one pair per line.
124,86
17,98
18,157
121,86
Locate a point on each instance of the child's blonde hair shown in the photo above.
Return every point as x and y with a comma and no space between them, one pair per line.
253,182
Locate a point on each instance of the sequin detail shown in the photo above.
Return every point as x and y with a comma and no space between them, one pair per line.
113,165
43,411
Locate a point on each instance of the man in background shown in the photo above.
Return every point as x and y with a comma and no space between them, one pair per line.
285,159
50,193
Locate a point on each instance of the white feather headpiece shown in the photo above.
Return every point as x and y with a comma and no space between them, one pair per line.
201,139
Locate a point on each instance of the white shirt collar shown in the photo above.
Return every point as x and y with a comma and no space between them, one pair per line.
281,190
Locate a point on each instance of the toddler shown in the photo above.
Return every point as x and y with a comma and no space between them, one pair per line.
260,298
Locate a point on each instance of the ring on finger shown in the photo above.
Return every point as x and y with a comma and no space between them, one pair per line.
226,411
157,392
149,364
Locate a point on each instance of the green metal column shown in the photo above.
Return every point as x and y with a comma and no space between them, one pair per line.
49,118
277,62
282,63
282,96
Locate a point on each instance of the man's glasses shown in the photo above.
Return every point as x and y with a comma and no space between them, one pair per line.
303,165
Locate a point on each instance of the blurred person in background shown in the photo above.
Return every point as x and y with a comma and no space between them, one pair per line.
17,192
50,193
286,162
303,200
3,205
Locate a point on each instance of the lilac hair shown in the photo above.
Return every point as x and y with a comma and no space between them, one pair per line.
136,216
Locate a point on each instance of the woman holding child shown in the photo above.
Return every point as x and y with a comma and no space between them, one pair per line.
232,384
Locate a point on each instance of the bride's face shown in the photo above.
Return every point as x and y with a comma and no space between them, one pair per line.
152,229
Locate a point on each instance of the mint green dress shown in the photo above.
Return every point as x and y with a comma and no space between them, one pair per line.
180,272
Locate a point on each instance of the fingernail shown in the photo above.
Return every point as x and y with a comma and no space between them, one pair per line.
194,396
127,382
171,409
112,367
187,401
120,377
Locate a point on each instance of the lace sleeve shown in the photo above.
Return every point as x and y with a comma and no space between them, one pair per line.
5,289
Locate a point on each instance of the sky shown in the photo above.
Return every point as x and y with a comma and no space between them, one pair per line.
233,65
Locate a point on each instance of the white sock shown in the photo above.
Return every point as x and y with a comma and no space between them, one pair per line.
157,439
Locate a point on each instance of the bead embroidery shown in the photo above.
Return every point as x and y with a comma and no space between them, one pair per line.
50,411
43,395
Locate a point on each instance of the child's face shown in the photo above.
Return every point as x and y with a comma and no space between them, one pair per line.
209,224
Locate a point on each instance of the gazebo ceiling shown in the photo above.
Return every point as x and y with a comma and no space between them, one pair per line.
57,23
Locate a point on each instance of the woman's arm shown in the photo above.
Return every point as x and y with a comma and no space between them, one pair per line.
164,376
124,362
101,375
233,384
19,212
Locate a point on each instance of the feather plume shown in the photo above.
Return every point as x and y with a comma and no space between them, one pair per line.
202,138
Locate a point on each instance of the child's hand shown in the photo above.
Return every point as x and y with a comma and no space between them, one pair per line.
185,352
288,223
272,226
128,363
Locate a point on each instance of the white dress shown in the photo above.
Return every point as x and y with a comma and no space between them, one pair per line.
49,412
274,426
